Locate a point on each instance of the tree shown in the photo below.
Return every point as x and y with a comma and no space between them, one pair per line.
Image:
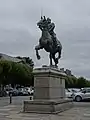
73,82
87,83
5,68
26,60
70,81
81,82
74,79
15,73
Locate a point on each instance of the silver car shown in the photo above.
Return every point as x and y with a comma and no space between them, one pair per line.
82,95
68,93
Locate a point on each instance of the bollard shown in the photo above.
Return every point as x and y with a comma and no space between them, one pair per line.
31,97
10,98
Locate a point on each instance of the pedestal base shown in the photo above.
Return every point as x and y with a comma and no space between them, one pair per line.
47,106
49,92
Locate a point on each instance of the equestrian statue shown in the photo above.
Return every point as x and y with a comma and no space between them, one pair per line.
48,40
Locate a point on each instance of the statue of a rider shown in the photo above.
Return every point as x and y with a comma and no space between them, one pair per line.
48,40
51,27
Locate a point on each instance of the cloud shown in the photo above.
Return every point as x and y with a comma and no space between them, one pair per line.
19,33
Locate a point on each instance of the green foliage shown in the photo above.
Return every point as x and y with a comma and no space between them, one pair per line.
70,81
19,73
81,82
15,73
26,60
73,82
5,68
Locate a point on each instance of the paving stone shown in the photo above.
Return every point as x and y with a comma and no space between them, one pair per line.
12,112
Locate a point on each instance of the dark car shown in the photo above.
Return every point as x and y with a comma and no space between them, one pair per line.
3,93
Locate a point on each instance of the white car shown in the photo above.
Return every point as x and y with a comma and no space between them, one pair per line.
82,95
68,93
30,90
74,90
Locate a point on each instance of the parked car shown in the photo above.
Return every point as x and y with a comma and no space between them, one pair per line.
3,93
8,90
22,92
82,95
14,92
30,90
74,90
68,93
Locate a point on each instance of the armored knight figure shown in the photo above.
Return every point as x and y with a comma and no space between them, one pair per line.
51,27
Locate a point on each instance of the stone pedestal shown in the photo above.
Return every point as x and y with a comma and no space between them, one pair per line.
49,95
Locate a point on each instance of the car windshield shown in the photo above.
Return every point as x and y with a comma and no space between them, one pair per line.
74,91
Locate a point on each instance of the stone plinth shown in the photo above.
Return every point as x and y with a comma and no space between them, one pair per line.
49,95
46,106
49,84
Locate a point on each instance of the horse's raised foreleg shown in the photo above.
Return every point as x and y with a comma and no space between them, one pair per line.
38,47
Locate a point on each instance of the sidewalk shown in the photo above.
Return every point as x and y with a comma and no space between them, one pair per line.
12,112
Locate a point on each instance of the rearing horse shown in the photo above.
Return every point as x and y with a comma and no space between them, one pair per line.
47,43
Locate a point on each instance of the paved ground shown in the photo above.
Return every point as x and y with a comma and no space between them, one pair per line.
12,112
15,100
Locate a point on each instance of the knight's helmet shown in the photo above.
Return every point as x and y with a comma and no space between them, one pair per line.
48,20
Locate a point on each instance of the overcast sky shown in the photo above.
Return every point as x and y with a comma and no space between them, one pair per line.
19,33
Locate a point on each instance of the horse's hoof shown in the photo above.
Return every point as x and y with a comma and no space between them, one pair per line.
56,66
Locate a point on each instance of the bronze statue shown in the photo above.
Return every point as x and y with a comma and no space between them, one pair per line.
48,40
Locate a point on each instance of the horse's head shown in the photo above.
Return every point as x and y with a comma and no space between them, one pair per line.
42,23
